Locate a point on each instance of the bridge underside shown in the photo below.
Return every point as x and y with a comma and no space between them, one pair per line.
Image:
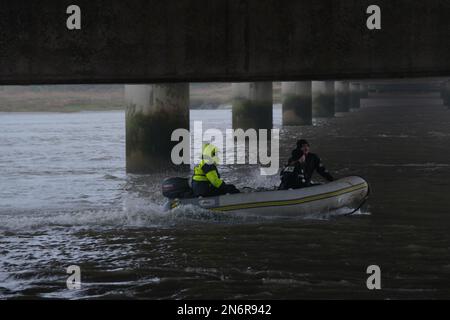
151,41
163,43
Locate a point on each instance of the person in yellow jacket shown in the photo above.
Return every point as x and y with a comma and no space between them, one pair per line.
206,181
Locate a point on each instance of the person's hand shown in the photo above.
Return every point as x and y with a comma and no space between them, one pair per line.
302,159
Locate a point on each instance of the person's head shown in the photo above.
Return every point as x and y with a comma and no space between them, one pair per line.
209,153
303,145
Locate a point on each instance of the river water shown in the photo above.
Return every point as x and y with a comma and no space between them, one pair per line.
65,199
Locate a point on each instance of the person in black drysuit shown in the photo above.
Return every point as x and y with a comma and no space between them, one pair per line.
300,168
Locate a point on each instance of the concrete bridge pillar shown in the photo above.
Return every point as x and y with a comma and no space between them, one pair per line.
153,112
297,103
354,95
446,96
252,105
364,91
342,96
323,99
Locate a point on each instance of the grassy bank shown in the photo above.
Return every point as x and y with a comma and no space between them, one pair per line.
74,98
61,98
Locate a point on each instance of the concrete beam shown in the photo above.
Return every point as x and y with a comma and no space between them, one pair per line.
252,105
342,96
150,41
297,103
153,112
323,99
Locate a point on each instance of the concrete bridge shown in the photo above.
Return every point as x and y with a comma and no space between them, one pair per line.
320,49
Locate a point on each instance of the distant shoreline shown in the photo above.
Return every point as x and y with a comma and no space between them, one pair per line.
77,98
100,109
110,110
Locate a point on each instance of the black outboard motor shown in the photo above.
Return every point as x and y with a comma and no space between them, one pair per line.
173,188
292,177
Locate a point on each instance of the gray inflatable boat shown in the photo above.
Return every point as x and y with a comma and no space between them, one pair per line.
346,195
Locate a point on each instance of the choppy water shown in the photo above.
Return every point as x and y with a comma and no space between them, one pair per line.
65,199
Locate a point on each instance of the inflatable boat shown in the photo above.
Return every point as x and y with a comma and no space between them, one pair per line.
346,195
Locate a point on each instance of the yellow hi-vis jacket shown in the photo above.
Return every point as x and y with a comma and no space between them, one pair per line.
207,173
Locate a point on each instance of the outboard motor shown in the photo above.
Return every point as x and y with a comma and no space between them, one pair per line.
173,188
292,177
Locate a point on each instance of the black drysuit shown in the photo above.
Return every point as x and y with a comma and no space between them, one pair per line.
299,174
